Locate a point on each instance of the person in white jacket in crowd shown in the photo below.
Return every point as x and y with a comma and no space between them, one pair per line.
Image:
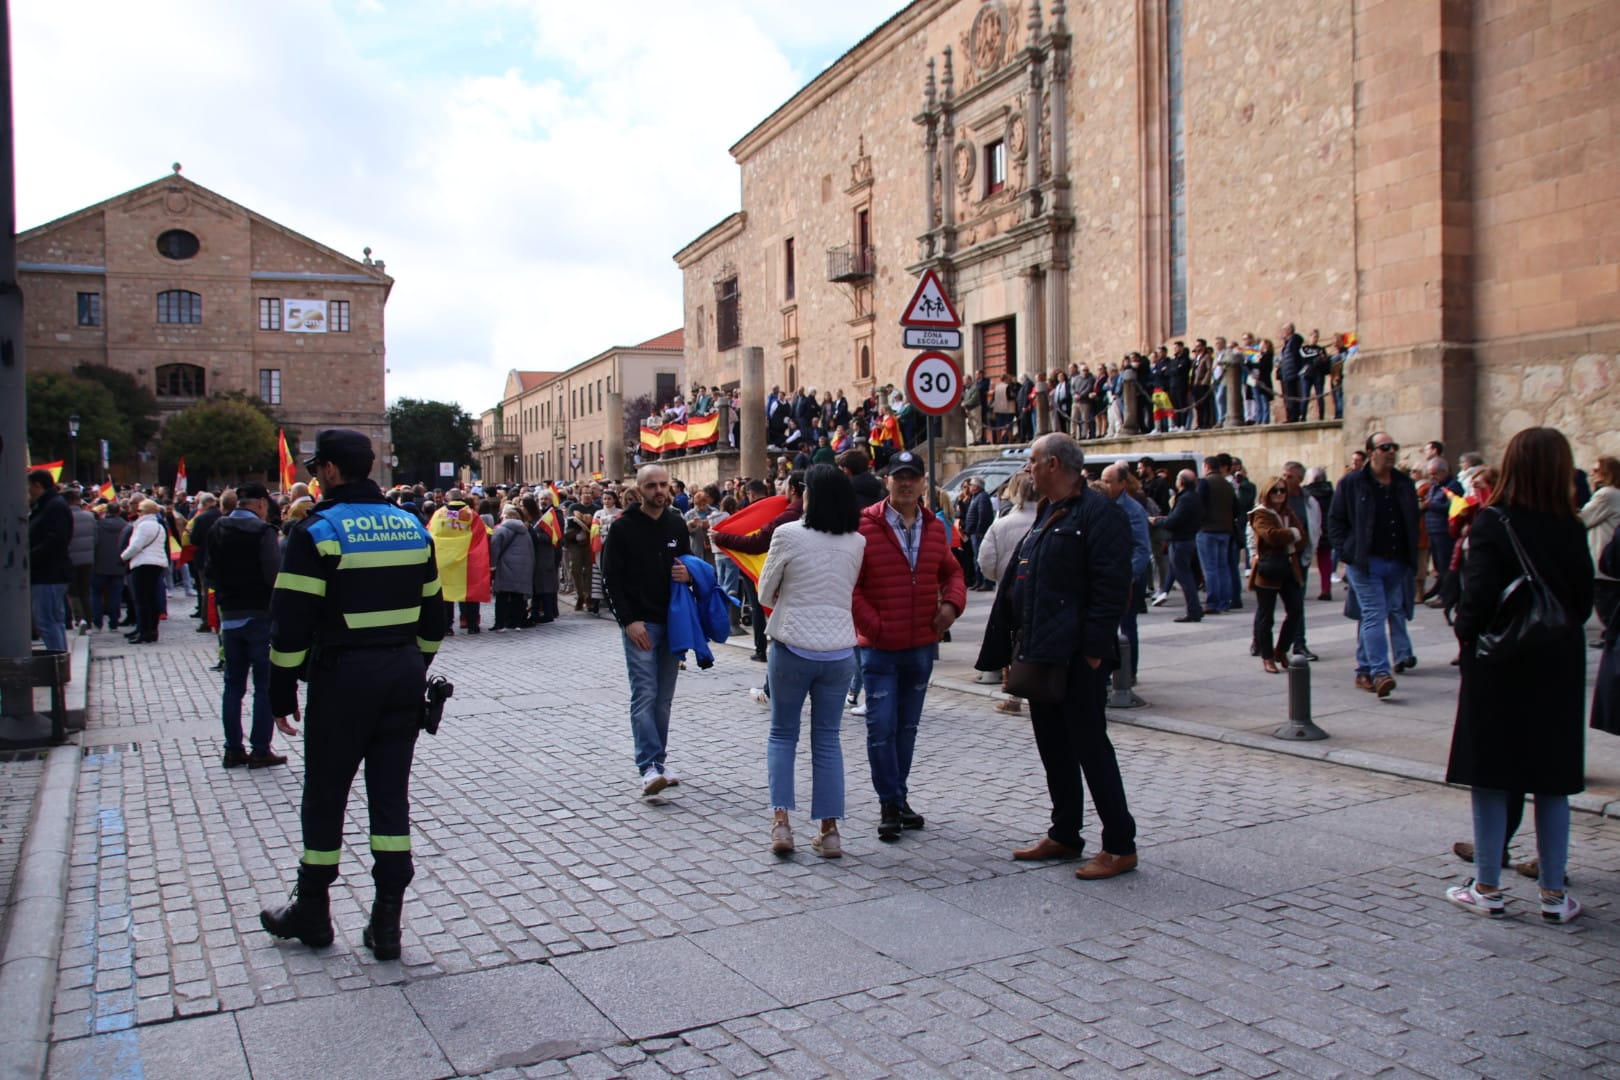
808,581
147,557
1001,542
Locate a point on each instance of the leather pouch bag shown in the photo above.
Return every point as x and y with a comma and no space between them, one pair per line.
1528,616
1045,683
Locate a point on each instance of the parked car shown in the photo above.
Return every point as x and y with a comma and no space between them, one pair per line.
993,471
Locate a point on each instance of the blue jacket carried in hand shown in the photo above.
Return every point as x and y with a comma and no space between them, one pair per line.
697,614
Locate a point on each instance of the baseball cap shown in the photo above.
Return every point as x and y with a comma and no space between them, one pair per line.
905,461
347,449
251,489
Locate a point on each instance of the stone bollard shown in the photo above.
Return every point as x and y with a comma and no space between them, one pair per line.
1120,695
1299,727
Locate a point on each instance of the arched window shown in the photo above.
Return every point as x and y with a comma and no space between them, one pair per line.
179,306
181,380
866,363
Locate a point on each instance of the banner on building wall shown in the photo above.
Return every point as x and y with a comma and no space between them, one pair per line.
303,316
693,434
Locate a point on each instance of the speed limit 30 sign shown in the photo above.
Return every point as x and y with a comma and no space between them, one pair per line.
934,383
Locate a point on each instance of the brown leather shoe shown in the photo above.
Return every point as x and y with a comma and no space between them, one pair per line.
1384,684
1046,848
1364,682
1106,865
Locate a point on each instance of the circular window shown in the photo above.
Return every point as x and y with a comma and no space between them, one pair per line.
177,244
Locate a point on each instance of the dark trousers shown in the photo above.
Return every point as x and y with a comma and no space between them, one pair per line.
756,615
1072,736
1183,556
1135,602
79,593
1293,595
543,607
508,610
364,705
247,649
106,598
469,614
148,598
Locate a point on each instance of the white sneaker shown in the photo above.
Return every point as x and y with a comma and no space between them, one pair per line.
759,696
1559,908
1159,598
652,782
1337,579
671,778
859,710
1469,896
851,698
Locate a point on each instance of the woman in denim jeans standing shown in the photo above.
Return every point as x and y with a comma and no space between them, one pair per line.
808,580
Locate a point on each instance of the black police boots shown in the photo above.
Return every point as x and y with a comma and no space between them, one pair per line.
308,918
382,933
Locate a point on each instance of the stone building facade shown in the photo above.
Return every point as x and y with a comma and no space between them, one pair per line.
194,294
1437,178
558,425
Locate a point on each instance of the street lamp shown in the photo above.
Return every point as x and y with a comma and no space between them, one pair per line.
73,430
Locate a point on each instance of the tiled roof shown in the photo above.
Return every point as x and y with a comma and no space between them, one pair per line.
675,339
532,379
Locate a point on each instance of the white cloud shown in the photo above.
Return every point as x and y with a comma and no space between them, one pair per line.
526,167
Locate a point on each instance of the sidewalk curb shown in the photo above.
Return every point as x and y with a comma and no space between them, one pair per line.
33,932
1370,760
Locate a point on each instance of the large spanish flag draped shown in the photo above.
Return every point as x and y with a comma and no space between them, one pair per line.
747,521
703,431
652,439
461,546
289,474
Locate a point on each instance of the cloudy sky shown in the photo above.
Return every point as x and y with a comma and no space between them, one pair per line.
528,165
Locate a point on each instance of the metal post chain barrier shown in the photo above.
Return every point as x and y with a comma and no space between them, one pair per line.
1185,414
1120,695
1299,727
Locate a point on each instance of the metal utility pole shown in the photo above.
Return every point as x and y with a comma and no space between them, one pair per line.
16,657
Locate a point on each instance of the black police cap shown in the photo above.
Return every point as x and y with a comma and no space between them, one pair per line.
349,450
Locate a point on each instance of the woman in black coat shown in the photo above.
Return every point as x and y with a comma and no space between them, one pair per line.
1519,721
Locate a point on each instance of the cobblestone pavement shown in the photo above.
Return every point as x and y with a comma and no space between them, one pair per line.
19,781
1287,918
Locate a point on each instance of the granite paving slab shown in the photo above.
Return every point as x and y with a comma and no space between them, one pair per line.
184,1050
365,1034
799,958
654,988
924,932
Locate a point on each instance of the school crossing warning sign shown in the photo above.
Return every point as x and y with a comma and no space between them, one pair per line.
929,306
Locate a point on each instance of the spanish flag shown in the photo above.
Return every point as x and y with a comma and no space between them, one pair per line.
747,521
461,547
107,491
289,474
53,467
1458,504
556,496
596,539
651,439
550,526
703,430
674,436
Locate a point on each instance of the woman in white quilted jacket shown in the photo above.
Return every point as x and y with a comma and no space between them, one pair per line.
808,580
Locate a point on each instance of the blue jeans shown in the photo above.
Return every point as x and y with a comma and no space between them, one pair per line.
1135,600
1490,836
1262,407
728,574
1182,554
1215,554
1237,556
49,603
793,678
856,682
896,682
1380,591
652,689
247,648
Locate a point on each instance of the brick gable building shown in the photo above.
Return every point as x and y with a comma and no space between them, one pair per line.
194,294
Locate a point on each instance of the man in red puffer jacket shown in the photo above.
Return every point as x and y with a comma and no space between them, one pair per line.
910,591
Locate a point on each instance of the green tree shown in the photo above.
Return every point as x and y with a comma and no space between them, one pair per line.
635,411
221,437
267,411
426,433
137,404
52,398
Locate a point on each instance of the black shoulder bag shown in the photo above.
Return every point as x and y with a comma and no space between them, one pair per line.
1528,616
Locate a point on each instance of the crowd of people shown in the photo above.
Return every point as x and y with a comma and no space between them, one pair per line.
866,568
1177,388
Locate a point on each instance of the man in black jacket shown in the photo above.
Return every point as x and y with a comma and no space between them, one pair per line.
1373,523
639,562
208,512
975,524
1063,602
243,557
50,567
1182,524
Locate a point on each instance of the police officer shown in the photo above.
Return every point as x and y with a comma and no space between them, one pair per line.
356,612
